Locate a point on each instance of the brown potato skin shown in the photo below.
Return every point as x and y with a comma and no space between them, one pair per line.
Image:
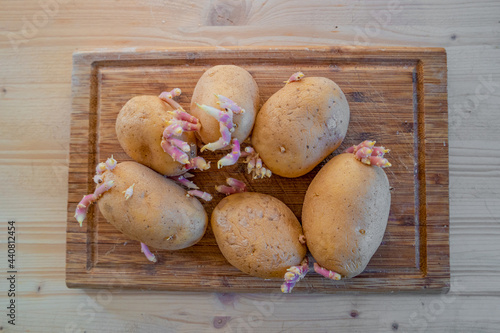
308,118
157,210
344,198
234,83
258,234
139,129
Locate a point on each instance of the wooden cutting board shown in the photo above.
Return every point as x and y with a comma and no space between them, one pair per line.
397,96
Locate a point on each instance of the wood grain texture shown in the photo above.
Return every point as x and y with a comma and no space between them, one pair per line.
35,109
396,96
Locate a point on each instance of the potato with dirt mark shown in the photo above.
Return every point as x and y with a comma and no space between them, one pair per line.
300,125
156,211
258,234
139,129
234,83
345,211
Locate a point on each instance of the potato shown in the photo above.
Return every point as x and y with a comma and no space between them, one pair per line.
300,125
345,214
234,83
258,234
158,213
139,128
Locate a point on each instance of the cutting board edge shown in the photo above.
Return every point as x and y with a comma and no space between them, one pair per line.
83,67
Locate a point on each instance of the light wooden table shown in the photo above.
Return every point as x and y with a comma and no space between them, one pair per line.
36,44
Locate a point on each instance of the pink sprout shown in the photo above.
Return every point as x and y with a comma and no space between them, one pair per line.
174,152
235,186
181,122
147,252
222,142
100,168
98,179
171,94
232,157
227,190
295,77
129,192
293,275
200,194
228,104
326,273
168,97
111,163
184,116
255,165
185,182
236,183
83,205
226,126
197,163
302,239
369,154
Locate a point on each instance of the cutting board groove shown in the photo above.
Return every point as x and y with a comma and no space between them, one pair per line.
397,96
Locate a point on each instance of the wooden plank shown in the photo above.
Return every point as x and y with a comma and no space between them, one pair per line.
397,96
